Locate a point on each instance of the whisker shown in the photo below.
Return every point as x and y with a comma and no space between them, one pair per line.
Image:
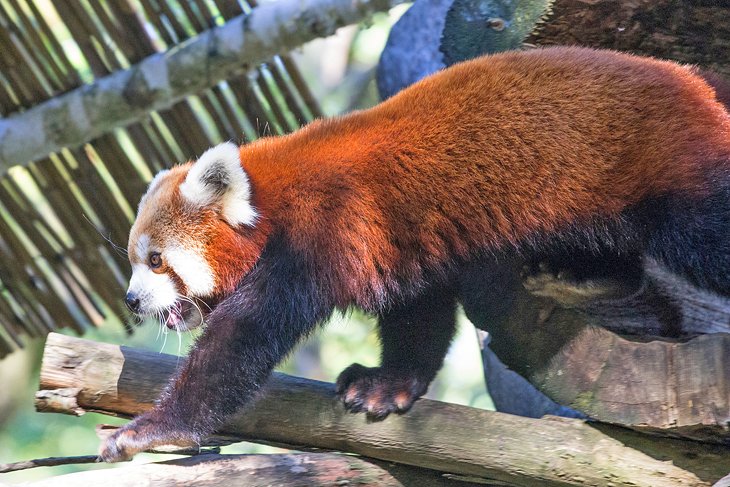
206,304
179,348
164,341
159,326
162,320
131,320
120,250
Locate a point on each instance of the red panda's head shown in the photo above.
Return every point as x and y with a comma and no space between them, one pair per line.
194,238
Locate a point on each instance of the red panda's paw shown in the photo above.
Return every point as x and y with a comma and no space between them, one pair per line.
377,391
140,435
120,446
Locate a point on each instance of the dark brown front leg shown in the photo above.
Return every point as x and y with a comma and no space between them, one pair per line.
246,335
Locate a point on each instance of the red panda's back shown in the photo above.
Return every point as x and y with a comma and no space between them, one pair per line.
495,149
549,134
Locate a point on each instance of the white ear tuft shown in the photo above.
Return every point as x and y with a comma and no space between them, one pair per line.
218,178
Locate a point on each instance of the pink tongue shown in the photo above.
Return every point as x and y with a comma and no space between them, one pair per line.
173,319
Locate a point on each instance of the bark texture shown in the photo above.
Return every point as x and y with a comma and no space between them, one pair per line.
688,31
569,340
305,414
302,469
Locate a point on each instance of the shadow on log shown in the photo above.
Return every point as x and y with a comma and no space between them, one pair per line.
566,339
304,414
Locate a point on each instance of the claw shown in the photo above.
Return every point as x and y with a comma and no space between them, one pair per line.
378,392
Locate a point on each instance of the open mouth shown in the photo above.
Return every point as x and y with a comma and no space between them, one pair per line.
175,319
184,315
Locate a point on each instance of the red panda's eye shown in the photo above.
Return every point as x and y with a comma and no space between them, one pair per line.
155,260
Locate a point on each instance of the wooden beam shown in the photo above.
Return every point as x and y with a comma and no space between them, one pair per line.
160,80
305,414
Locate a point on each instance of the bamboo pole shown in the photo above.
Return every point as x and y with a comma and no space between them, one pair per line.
160,80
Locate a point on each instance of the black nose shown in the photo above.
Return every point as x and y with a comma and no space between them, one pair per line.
132,302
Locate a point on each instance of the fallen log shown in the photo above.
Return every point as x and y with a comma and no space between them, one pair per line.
305,414
323,469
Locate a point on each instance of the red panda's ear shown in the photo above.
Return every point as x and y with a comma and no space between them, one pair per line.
218,178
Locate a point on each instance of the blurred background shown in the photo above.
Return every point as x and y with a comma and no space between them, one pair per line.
339,71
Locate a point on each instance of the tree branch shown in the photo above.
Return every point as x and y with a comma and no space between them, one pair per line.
161,80
325,469
47,462
435,435
688,31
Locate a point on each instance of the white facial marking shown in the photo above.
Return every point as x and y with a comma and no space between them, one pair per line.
156,292
218,177
193,269
156,180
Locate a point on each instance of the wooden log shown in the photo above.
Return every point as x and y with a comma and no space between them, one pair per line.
305,414
47,462
300,469
557,336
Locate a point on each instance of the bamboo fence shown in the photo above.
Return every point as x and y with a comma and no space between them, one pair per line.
63,218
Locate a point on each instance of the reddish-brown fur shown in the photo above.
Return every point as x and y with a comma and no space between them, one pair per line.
718,83
482,155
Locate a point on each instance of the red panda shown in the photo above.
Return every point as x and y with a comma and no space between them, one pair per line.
602,156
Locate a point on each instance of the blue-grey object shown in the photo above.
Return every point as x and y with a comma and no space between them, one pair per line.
476,27
413,48
511,393
434,34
